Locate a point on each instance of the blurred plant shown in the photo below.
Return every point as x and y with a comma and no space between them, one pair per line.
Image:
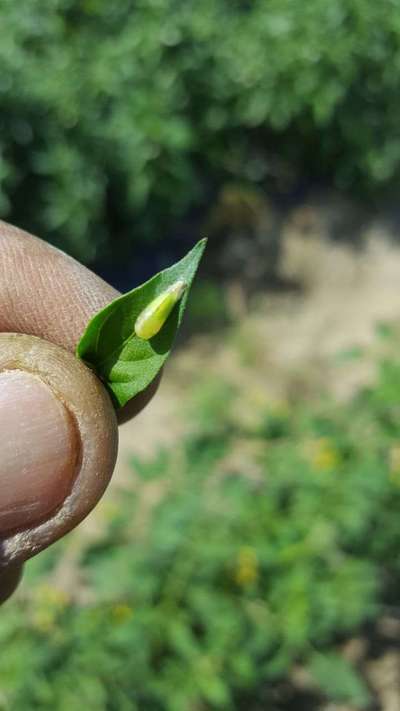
116,118
204,596
208,308
244,236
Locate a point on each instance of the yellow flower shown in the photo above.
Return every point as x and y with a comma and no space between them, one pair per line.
246,572
322,454
394,464
50,596
44,620
121,613
49,603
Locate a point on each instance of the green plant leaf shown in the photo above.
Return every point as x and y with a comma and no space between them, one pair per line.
338,679
126,363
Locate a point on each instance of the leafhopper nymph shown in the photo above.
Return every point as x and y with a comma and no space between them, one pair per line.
152,318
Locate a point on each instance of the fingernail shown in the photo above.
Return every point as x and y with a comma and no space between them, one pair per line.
38,450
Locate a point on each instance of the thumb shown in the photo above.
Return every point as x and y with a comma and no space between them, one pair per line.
58,442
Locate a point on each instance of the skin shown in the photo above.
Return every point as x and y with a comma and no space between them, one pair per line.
46,300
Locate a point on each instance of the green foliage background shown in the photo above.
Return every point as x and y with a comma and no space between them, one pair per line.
246,549
117,118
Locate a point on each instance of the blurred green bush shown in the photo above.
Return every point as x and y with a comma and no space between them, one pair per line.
245,550
117,117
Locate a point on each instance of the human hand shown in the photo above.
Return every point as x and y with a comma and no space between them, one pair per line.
58,428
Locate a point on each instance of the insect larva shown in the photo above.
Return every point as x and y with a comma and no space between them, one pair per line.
152,318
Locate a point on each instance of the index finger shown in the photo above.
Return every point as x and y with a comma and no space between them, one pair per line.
44,292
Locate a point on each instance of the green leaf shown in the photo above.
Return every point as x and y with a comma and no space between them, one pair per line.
384,331
350,354
338,680
126,363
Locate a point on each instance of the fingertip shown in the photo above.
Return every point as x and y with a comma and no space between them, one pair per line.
37,513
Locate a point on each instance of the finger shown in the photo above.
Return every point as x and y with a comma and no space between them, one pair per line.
58,444
44,292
